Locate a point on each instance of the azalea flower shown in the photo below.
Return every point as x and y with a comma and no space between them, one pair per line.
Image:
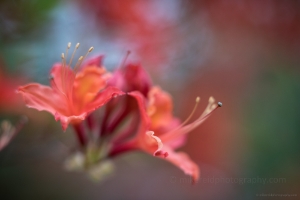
74,92
165,133
140,120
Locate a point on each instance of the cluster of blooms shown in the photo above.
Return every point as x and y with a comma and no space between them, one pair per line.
134,114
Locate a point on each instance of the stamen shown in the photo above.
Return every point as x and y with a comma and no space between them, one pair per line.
185,129
192,113
78,63
68,47
125,59
80,60
91,49
76,47
64,73
211,105
63,70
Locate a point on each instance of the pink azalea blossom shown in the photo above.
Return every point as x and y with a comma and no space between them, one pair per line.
140,120
74,92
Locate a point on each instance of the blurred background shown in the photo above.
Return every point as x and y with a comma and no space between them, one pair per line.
244,53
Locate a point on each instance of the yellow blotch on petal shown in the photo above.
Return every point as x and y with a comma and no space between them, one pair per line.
89,82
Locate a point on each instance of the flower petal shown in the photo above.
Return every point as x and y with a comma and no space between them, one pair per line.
102,98
94,62
146,140
156,141
62,78
130,78
183,161
66,120
145,120
87,84
45,98
160,108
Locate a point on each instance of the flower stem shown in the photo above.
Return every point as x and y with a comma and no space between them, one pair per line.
80,133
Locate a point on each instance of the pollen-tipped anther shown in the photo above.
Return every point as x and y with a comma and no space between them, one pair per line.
69,45
197,99
91,49
76,47
220,104
211,100
78,63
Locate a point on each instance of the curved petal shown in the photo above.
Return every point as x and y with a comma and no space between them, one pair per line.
153,140
66,120
145,120
88,83
146,140
132,77
160,108
183,161
61,78
137,78
43,97
95,62
102,98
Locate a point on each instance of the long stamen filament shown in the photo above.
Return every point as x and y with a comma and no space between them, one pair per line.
189,117
63,70
78,63
174,133
124,60
76,47
68,47
63,58
210,107
192,113
80,60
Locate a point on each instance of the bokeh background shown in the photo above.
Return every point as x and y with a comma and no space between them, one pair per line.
244,53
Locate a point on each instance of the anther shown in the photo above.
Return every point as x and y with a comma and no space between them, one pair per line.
211,100
76,47
62,56
78,63
220,104
91,49
69,45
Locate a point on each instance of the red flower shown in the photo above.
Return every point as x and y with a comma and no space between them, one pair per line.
161,134
140,120
74,93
